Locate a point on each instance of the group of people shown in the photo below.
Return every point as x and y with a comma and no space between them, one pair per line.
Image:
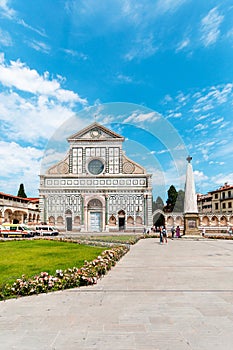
163,233
176,232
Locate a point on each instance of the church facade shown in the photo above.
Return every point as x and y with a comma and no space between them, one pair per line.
96,187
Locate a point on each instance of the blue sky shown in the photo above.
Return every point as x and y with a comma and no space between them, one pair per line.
166,60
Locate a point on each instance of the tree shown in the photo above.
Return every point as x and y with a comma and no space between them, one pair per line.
179,205
171,200
21,192
158,204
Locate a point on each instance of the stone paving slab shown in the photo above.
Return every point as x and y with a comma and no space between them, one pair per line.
177,296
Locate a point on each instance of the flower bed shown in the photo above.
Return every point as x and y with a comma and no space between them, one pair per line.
102,241
69,278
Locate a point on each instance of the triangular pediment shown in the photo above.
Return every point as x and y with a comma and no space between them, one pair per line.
95,132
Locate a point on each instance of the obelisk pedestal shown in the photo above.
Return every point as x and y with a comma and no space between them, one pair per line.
191,216
191,222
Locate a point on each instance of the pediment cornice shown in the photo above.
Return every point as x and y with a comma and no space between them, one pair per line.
95,132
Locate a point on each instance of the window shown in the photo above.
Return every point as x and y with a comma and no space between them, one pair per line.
223,195
224,205
216,196
229,194
95,167
113,160
216,206
230,205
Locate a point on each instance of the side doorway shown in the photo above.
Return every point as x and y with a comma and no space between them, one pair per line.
69,225
121,220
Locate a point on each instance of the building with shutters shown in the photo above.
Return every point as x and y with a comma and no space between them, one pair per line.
96,187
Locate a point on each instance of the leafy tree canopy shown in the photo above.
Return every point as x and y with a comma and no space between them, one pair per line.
175,200
171,200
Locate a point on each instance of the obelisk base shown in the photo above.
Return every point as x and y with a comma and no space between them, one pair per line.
191,224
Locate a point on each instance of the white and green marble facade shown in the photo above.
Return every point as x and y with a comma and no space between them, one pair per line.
96,187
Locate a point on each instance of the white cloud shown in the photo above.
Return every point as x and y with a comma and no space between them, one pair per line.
217,121
38,115
221,178
207,107
31,118
142,117
18,75
219,94
10,13
6,10
201,117
199,176
216,162
38,31
39,46
50,158
5,38
142,48
205,152
182,98
200,126
180,147
210,27
225,148
209,144
167,99
174,115
183,44
229,34
163,151
16,158
207,99
124,78
24,162
75,54
169,5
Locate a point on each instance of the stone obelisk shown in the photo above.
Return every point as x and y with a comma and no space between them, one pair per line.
191,217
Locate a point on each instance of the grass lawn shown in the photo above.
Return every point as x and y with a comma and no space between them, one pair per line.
30,257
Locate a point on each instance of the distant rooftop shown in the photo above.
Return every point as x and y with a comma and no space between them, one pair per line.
10,196
226,186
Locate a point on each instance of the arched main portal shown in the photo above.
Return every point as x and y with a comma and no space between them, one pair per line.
158,218
95,216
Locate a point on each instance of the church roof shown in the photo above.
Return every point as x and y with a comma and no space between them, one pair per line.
95,131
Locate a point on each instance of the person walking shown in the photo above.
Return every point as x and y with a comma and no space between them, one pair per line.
160,235
164,233
173,231
178,232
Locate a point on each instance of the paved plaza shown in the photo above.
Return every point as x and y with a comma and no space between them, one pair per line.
177,296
